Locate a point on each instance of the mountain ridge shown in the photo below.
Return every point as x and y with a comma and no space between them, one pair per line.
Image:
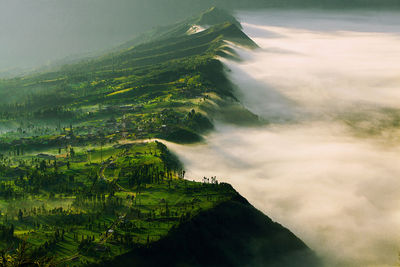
75,143
232,233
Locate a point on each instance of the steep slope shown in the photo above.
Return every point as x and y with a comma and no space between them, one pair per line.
165,78
76,145
231,234
212,16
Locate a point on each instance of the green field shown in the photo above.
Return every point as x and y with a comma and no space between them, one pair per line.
76,212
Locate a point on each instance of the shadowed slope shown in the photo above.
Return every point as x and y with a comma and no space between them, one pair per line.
232,234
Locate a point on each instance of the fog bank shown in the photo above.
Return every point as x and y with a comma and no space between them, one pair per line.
327,164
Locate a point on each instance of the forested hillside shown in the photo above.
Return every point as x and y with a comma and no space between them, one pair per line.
81,182
163,88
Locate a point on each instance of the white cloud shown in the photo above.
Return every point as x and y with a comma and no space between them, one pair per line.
308,169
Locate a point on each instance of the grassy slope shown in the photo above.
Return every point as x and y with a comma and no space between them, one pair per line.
78,184
233,233
158,83
95,209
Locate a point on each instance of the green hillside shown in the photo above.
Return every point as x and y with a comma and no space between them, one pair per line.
233,233
81,183
158,89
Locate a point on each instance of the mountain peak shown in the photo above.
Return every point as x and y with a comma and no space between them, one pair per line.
215,15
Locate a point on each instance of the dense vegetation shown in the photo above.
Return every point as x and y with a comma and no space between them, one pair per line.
84,207
157,89
233,233
79,183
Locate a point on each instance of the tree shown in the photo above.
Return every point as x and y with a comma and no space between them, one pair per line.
20,215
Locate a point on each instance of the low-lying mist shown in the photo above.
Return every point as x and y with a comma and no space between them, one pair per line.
327,164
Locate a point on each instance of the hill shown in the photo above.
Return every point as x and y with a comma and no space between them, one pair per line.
148,85
233,233
84,182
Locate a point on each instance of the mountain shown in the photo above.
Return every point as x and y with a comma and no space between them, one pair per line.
173,73
233,233
83,181
45,33
212,16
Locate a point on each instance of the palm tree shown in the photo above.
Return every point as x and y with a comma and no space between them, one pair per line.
21,258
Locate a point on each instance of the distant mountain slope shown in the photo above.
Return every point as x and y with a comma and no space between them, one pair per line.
175,72
69,29
231,234
212,16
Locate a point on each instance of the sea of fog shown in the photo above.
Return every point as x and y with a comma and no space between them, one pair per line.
327,165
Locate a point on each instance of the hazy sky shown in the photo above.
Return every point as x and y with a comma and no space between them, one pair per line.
33,32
